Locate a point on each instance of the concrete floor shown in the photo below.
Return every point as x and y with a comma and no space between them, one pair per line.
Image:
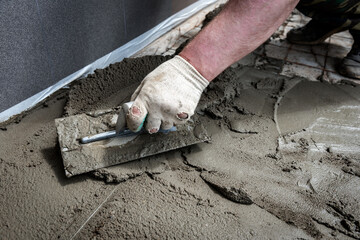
306,186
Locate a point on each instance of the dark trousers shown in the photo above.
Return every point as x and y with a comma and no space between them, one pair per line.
339,13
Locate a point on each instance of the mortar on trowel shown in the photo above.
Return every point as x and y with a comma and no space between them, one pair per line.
100,139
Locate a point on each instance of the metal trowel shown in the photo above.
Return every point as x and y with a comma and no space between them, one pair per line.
95,140
121,130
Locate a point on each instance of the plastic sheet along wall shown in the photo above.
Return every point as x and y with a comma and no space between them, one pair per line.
42,42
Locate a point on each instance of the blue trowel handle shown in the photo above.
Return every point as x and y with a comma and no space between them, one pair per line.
112,134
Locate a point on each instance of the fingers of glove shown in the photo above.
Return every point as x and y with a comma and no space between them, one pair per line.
184,113
136,116
166,125
182,116
152,124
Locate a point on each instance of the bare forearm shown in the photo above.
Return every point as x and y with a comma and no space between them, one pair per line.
241,27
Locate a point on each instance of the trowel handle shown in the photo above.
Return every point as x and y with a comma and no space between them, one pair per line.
98,137
112,134
121,129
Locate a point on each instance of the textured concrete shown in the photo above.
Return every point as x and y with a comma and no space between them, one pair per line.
80,158
279,143
261,174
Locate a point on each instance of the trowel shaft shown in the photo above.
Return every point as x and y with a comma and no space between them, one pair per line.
111,134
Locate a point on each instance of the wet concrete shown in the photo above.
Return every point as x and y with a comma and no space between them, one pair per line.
272,146
110,87
295,164
81,158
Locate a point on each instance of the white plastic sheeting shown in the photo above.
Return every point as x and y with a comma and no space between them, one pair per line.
117,55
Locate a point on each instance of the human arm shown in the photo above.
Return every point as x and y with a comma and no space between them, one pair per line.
240,28
170,93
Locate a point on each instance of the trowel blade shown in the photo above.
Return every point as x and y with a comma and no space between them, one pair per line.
80,158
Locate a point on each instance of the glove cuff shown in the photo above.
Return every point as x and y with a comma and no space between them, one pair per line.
190,72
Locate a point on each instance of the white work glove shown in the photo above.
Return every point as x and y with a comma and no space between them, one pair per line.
166,97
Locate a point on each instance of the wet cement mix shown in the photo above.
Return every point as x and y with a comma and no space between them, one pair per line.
283,163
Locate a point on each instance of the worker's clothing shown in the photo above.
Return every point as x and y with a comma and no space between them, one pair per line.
329,17
344,13
350,65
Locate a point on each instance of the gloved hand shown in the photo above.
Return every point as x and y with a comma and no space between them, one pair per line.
167,96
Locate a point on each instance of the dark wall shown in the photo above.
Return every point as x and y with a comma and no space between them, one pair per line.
43,41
